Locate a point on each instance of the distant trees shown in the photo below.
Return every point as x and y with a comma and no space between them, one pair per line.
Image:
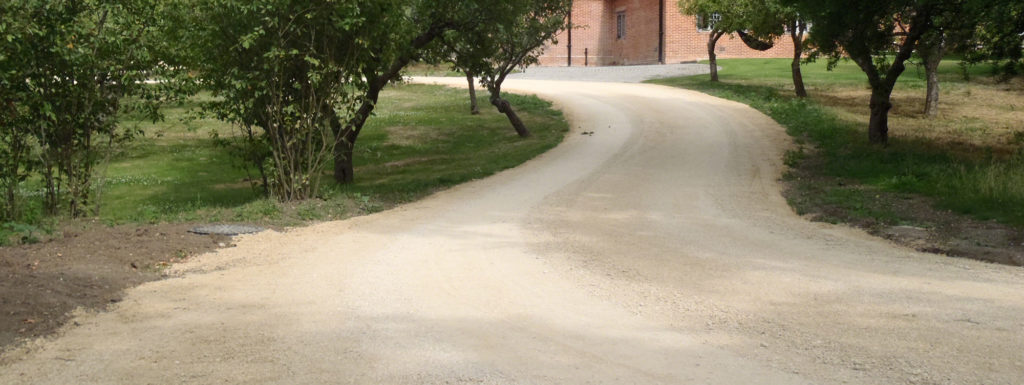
758,22
511,36
997,34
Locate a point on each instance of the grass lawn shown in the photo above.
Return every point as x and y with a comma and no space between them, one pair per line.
421,140
969,160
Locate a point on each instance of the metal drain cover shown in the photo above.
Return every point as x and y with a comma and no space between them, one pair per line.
229,230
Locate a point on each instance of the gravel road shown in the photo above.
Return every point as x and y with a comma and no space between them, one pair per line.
657,250
613,74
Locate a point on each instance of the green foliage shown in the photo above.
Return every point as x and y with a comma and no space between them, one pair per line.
994,33
285,73
67,67
765,19
511,35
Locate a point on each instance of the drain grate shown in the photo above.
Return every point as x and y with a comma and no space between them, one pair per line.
229,230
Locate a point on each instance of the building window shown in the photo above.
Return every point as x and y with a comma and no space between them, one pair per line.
620,25
705,23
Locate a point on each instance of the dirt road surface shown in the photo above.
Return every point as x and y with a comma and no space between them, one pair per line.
657,250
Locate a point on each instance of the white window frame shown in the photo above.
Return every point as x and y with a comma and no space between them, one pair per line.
706,27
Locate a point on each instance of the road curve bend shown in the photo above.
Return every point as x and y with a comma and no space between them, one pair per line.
656,251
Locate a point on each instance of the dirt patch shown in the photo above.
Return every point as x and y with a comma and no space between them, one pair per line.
409,135
88,267
906,219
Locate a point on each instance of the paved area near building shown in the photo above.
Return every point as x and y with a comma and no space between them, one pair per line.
612,74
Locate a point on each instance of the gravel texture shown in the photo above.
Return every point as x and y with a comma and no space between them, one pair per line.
658,250
612,74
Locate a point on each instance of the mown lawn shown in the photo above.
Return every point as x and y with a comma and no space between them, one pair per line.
969,160
421,140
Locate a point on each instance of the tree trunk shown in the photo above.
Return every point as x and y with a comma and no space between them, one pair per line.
796,31
712,58
931,50
345,138
506,108
473,108
343,170
51,200
878,126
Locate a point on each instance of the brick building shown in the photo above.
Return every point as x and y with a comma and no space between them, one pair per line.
628,32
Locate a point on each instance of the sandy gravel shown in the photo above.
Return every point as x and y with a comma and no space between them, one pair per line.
658,250
614,74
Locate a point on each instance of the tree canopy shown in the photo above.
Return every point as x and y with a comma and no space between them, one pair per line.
66,70
511,35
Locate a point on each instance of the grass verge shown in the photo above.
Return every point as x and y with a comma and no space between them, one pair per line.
421,140
970,160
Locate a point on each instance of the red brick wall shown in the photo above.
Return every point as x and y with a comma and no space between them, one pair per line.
640,45
595,37
591,18
684,43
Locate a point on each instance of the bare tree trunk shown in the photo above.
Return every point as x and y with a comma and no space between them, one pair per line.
506,108
473,108
712,57
878,126
931,50
796,31
344,171
51,200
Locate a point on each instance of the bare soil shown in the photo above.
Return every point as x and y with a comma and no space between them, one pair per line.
88,267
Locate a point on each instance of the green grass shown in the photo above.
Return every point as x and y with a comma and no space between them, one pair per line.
777,73
982,181
421,140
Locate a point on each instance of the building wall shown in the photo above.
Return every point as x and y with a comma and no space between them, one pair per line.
594,41
640,45
590,18
684,43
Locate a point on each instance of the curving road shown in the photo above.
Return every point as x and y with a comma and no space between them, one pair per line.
658,250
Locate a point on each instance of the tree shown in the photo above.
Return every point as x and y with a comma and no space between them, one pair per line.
511,36
15,156
715,17
955,26
474,108
796,26
761,22
879,36
71,65
997,36
286,72
931,49
396,33
758,23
